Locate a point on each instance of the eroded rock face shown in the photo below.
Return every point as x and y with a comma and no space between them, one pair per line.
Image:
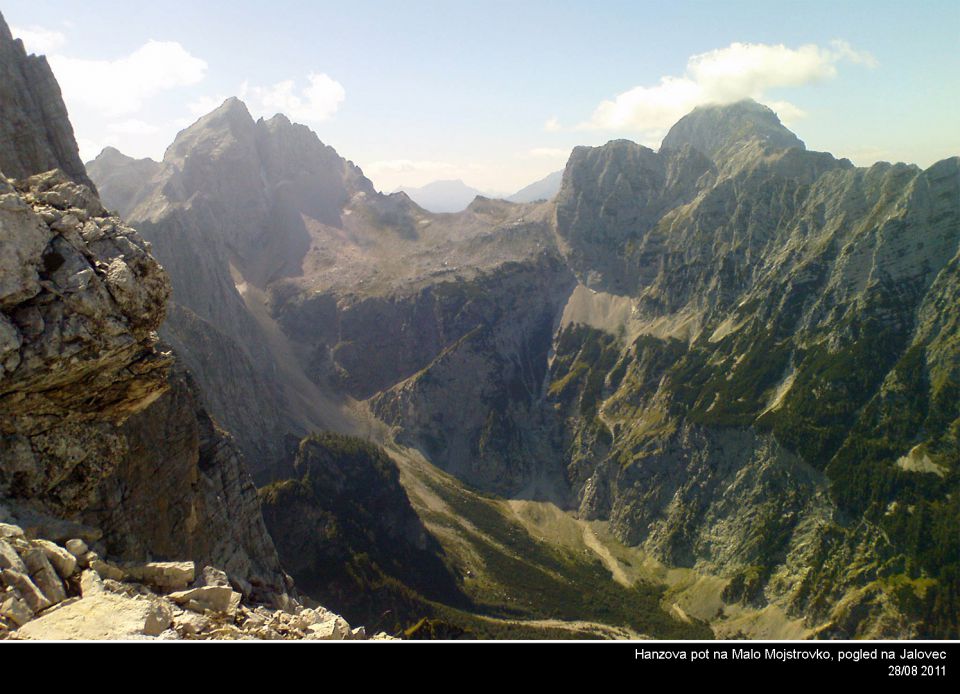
80,313
182,491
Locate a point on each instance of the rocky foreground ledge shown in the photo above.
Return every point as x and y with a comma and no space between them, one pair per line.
61,589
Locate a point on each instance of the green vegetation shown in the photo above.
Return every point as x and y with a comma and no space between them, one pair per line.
524,578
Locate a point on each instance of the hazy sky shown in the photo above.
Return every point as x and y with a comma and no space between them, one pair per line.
497,93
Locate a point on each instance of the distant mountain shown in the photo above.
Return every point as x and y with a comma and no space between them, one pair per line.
443,196
544,189
122,178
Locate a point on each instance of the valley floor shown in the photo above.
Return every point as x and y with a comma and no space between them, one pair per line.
532,565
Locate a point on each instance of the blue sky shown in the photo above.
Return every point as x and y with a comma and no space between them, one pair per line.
497,93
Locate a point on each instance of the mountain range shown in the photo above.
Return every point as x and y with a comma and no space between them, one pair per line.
708,390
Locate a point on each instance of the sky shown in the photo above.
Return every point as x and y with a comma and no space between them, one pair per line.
497,93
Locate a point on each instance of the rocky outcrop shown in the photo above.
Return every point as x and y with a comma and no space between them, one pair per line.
35,131
96,425
49,592
81,301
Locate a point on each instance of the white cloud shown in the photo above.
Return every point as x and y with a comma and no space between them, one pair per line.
315,102
553,125
724,75
38,39
120,87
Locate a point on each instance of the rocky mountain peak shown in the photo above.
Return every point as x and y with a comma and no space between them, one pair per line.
719,129
5,35
35,130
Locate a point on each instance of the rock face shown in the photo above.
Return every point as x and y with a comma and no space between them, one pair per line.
81,305
95,423
35,131
740,415
229,208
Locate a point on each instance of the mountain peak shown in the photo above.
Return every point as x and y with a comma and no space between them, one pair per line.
5,34
714,128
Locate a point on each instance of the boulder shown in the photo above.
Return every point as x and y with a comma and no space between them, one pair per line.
165,576
77,547
8,530
335,629
214,598
43,575
158,618
9,559
107,570
211,576
13,608
190,623
104,616
26,589
62,560
90,583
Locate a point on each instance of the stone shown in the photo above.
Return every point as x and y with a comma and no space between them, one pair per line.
214,598
106,570
158,618
87,558
335,629
191,623
211,576
15,609
103,616
9,559
26,589
8,530
165,576
90,583
43,575
62,560
76,547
